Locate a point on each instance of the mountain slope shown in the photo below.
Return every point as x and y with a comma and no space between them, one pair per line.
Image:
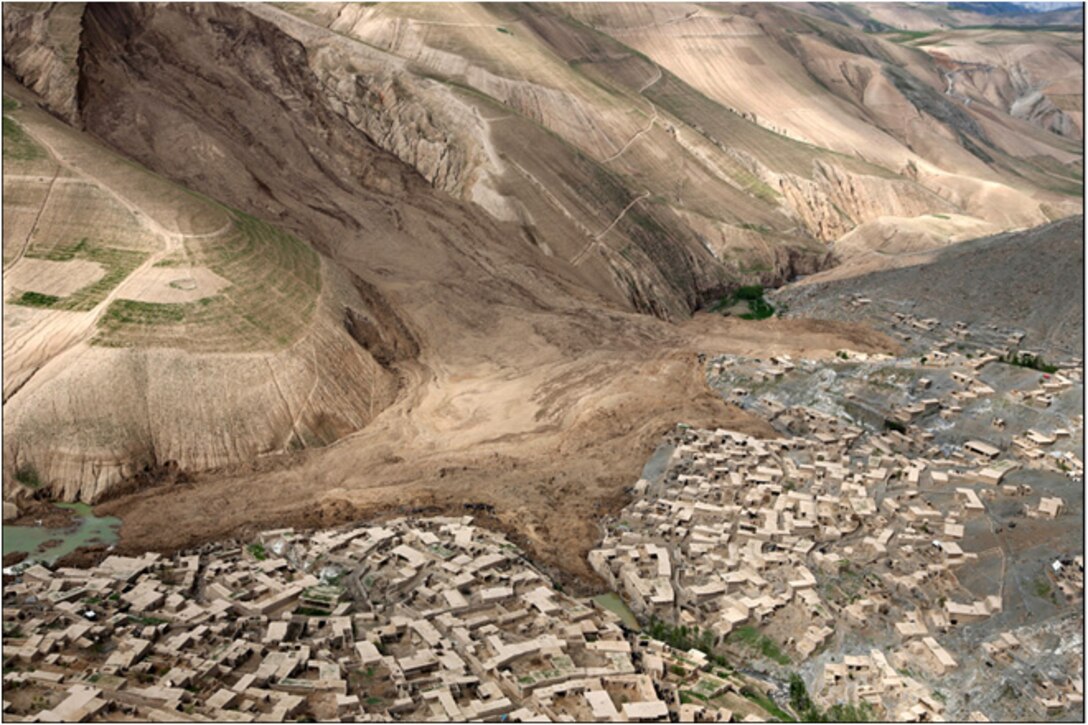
141,323
1029,281
456,246
457,91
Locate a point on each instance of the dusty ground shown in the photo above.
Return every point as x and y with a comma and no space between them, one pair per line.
53,278
1029,280
501,315
172,284
551,449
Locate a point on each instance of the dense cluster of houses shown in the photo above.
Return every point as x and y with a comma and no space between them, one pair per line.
780,548
746,533
433,619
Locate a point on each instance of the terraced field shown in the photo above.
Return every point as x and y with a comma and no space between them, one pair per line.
274,283
17,145
118,263
76,209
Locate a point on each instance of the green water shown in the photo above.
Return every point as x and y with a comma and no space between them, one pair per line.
88,530
614,604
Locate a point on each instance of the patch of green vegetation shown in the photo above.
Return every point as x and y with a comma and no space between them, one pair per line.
684,638
760,642
1042,588
65,254
758,308
37,299
1027,360
800,701
28,476
257,551
147,621
10,104
807,711
767,704
761,228
908,36
274,284
941,216
18,146
118,264
311,612
503,30
373,700
144,313
742,293
849,712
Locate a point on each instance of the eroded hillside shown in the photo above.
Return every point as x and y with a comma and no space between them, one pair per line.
458,243
147,328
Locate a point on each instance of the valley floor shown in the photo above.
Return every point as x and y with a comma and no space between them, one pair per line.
515,443
865,535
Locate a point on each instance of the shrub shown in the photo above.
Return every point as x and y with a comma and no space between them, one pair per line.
750,292
37,299
1027,360
28,477
759,642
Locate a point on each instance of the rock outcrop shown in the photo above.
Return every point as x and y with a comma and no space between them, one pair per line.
41,44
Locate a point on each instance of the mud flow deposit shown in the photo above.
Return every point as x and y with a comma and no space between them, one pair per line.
607,362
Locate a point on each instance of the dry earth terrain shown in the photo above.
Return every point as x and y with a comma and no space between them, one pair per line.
307,263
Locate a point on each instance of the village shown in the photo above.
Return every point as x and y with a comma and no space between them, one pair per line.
907,529
905,538
424,620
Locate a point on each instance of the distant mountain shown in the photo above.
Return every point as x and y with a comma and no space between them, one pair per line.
385,177
1007,9
1047,7
995,8
1013,14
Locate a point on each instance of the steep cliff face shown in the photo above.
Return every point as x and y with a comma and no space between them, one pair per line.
146,70
836,201
490,188
41,45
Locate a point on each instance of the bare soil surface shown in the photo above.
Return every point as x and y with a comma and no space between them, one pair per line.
1031,280
545,452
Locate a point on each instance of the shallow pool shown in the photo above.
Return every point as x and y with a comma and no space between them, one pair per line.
613,603
87,530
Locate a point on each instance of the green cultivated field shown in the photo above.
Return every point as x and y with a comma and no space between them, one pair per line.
275,280
118,264
17,145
